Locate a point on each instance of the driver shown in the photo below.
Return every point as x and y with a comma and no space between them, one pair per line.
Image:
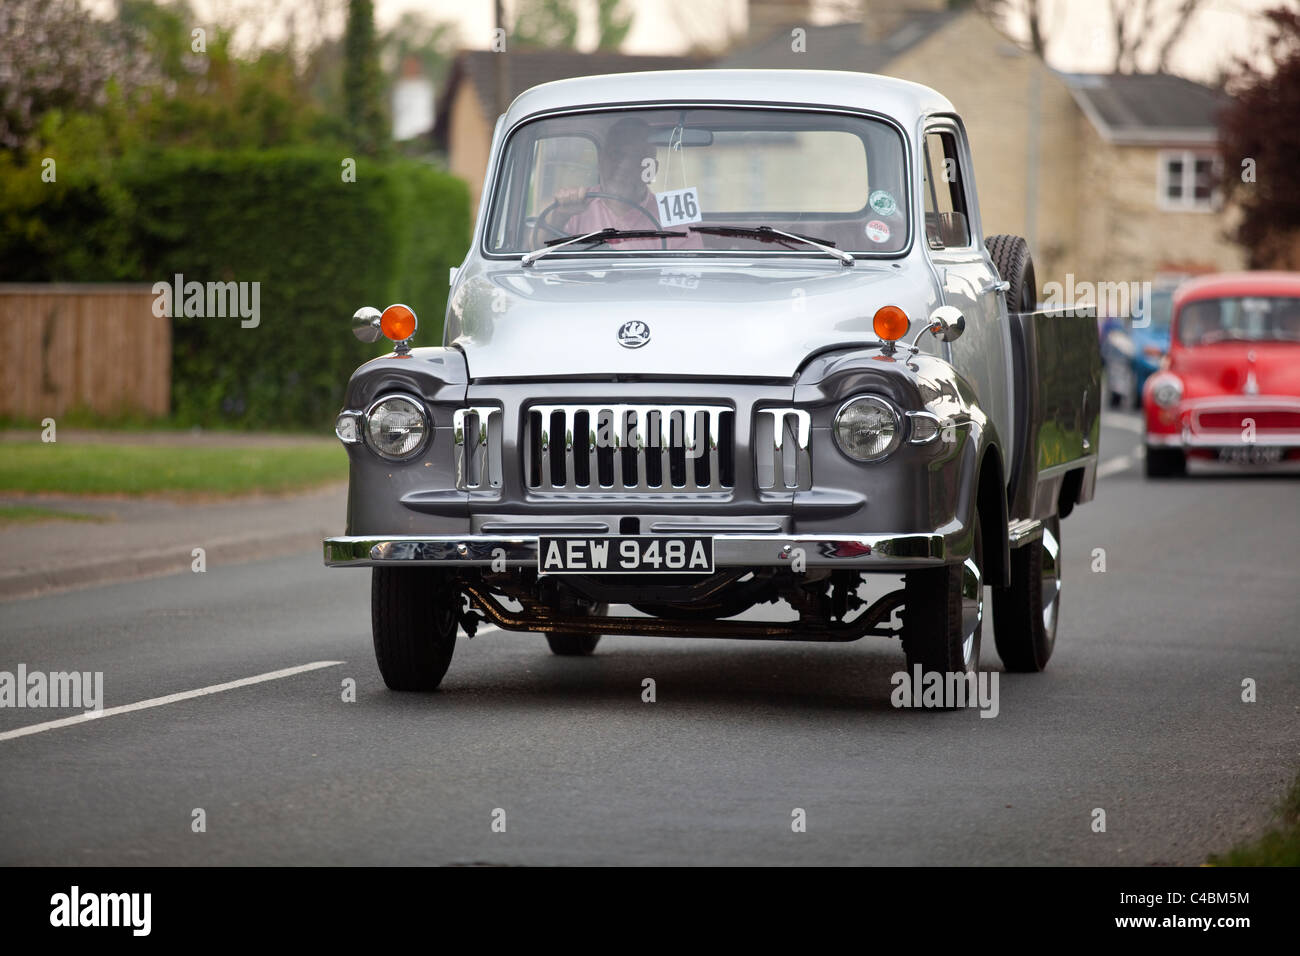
627,145
1193,324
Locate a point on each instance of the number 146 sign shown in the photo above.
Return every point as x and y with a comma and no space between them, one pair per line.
679,206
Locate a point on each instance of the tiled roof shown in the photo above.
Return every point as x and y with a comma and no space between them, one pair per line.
1148,107
839,46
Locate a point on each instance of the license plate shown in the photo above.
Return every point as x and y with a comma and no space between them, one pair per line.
1251,455
625,554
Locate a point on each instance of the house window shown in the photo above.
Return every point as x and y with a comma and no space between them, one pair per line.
1187,181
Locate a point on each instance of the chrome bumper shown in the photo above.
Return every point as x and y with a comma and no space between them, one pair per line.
1211,440
868,552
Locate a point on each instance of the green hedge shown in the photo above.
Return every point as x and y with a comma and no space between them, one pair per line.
318,246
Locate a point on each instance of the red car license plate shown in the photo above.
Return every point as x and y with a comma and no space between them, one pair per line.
1251,455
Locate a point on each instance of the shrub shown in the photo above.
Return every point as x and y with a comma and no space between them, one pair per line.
318,246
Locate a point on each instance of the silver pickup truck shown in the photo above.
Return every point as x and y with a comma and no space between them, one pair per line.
729,356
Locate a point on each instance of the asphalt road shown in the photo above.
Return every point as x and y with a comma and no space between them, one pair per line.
1139,714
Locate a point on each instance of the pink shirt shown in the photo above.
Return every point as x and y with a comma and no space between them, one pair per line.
605,213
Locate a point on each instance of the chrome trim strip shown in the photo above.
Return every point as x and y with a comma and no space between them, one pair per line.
777,465
476,437
729,550
1024,530
1225,439
1233,439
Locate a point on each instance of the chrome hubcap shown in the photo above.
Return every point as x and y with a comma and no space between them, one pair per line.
972,611
1051,582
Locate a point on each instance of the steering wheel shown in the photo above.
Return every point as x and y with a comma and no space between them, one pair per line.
541,222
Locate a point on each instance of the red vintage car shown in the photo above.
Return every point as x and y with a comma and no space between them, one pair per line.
1229,388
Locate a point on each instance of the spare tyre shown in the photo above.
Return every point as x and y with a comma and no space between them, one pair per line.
1016,267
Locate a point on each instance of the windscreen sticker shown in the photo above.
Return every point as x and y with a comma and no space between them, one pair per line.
882,202
679,206
877,231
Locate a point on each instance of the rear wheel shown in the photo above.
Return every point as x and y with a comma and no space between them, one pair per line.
567,644
943,614
1025,614
1165,462
414,616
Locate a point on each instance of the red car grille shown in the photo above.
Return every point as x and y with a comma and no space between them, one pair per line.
1236,420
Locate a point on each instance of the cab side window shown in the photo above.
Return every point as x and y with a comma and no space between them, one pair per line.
946,221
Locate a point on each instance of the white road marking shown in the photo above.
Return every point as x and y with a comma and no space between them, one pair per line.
169,699
1127,423
1120,464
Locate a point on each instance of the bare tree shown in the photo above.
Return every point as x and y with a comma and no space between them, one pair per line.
1133,23
1007,14
1184,16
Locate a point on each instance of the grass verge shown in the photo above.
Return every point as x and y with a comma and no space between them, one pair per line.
1280,846
26,514
99,469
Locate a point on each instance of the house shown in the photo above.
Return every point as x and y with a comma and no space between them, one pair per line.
468,111
1150,160
1107,176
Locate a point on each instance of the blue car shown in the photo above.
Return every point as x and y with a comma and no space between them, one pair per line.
1130,354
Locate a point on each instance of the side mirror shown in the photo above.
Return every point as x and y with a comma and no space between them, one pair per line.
946,324
365,324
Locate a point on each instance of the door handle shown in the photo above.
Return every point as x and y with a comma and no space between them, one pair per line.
1000,286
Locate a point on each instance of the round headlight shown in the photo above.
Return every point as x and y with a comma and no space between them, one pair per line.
396,427
867,428
1166,391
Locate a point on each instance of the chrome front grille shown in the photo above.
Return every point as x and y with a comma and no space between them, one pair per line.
477,436
781,458
647,448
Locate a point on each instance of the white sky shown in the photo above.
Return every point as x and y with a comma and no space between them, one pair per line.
1079,31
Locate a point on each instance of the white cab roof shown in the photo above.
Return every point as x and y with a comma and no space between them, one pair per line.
899,99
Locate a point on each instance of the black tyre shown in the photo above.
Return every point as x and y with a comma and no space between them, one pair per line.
1025,614
1010,255
414,616
1165,462
943,614
572,645
576,645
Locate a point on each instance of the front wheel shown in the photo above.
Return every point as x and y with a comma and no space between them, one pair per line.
1165,462
1025,614
413,615
943,614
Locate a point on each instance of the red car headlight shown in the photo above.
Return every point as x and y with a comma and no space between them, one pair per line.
1166,389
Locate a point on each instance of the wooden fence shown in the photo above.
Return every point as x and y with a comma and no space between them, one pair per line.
94,347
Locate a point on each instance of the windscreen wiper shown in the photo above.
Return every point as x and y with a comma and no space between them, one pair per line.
768,234
599,236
